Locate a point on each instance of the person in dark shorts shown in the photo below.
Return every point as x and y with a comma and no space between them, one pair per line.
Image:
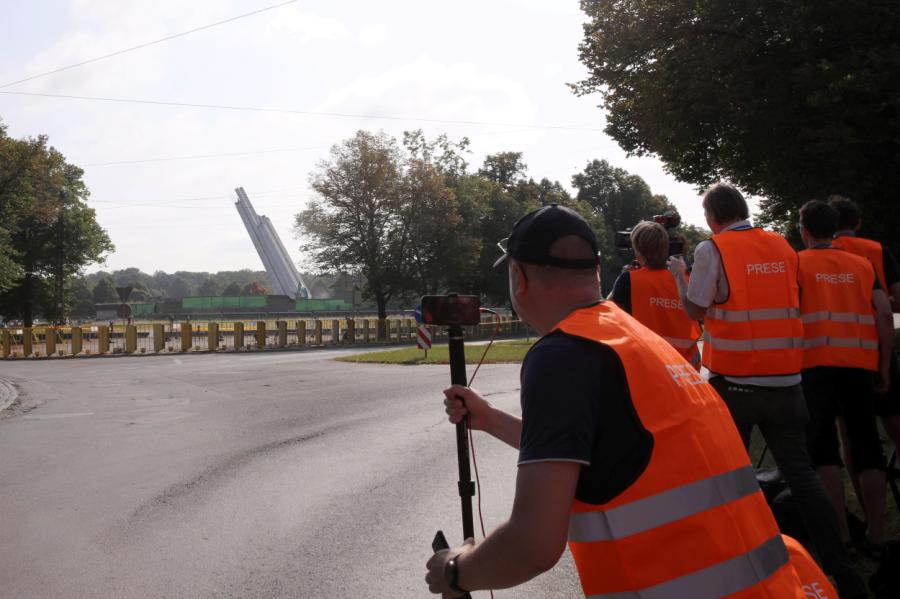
887,404
848,339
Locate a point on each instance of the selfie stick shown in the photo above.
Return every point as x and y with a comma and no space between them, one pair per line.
458,377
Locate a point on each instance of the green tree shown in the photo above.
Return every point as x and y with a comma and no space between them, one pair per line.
789,100
506,168
140,293
357,224
232,289
82,299
52,233
441,250
105,292
208,287
616,200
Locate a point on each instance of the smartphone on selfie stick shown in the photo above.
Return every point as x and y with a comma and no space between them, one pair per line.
456,311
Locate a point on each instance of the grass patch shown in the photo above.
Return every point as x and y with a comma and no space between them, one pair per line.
502,352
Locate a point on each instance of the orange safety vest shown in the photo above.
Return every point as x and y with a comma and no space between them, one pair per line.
694,523
656,304
871,250
815,584
757,331
836,308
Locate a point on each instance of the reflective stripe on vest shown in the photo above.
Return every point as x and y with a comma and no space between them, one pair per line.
680,343
719,580
755,344
660,537
662,508
836,295
752,315
838,317
840,342
757,330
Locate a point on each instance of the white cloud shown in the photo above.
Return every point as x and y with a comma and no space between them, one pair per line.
303,27
373,34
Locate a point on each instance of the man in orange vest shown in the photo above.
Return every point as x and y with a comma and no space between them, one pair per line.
649,293
849,334
815,584
887,405
625,451
744,286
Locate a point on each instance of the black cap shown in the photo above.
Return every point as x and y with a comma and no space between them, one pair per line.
534,234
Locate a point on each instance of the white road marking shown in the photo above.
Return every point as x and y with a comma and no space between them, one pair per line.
52,416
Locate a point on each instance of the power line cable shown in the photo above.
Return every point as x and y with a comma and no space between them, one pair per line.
199,156
144,45
255,152
198,198
299,112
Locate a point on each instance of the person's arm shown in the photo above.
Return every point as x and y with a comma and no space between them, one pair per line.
895,297
884,323
526,545
621,291
461,402
678,268
892,277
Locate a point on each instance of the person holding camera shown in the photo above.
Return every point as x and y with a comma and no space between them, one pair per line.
849,337
650,295
625,451
744,286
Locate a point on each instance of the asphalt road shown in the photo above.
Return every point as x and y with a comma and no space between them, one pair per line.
244,475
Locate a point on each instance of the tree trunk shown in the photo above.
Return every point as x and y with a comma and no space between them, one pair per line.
27,300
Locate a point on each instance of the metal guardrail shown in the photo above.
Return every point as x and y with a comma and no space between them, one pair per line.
213,336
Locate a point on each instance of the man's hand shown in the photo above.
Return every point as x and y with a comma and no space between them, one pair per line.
462,401
677,267
437,582
882,382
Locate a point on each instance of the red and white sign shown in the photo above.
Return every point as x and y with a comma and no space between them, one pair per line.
423,338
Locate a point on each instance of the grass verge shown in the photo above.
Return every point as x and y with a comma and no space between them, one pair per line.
502,352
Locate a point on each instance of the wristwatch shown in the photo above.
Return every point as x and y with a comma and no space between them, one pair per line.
451,575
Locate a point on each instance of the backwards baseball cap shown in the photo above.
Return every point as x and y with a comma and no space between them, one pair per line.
536,232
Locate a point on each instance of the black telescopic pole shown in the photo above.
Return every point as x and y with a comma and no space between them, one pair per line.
458,377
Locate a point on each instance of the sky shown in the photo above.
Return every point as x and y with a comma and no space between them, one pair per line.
162,177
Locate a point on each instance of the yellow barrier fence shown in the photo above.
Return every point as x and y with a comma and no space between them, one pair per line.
143,338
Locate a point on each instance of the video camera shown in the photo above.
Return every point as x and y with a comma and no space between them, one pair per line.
670,220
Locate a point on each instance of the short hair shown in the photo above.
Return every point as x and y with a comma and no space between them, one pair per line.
847,211
651,241
725,203
819,218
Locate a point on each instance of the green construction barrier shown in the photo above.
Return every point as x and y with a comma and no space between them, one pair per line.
254,301
321,305
143,309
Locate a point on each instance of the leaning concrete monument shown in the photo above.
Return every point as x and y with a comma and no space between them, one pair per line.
274,257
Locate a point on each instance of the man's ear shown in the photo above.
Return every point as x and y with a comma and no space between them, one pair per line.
519,278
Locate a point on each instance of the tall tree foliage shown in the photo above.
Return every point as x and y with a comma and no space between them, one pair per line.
49,231
789,99
619,200
359,223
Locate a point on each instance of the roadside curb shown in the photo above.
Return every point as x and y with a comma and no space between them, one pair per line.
8,394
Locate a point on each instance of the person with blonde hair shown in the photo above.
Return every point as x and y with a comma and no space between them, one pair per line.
649,292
